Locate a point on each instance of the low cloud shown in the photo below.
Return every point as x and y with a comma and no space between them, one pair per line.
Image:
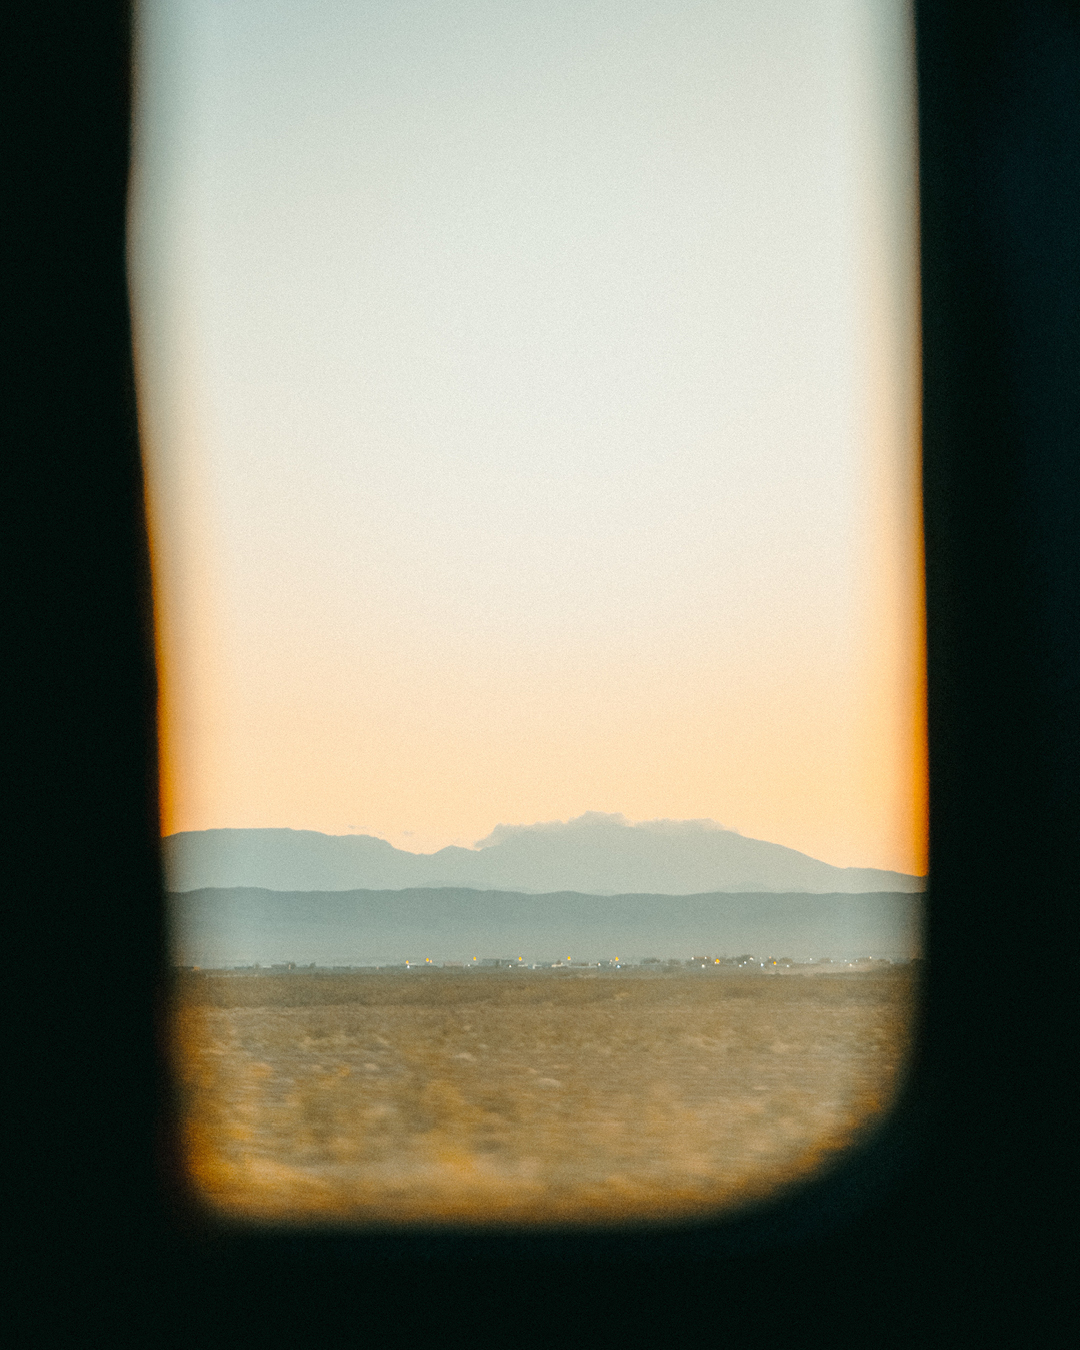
599,822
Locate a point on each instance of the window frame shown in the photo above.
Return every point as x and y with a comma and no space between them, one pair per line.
911,1222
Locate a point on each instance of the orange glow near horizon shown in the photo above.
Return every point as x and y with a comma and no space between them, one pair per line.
780,759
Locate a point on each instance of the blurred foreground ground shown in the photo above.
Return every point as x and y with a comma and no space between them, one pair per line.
525,1097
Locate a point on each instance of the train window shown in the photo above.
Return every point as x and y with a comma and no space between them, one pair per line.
530,406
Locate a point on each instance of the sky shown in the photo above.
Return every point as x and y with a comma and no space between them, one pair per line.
529,399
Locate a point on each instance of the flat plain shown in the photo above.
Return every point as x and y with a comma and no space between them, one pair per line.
553,1097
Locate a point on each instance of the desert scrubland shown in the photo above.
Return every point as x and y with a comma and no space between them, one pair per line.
533,1097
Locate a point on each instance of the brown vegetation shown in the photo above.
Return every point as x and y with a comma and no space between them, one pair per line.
521,1097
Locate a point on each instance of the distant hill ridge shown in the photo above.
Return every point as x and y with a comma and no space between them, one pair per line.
242,926
594,854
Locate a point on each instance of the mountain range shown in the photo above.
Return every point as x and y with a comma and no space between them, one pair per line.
595,854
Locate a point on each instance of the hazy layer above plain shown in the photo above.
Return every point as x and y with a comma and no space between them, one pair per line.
595,854
245,926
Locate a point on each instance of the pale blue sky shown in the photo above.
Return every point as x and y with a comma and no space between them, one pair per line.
529,393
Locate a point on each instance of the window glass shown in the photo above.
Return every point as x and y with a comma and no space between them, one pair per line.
529,397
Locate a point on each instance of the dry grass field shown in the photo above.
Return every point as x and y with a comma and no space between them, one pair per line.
541,1097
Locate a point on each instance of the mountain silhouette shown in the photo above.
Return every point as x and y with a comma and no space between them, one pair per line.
594,854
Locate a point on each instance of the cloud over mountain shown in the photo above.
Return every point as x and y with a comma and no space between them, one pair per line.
596,823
